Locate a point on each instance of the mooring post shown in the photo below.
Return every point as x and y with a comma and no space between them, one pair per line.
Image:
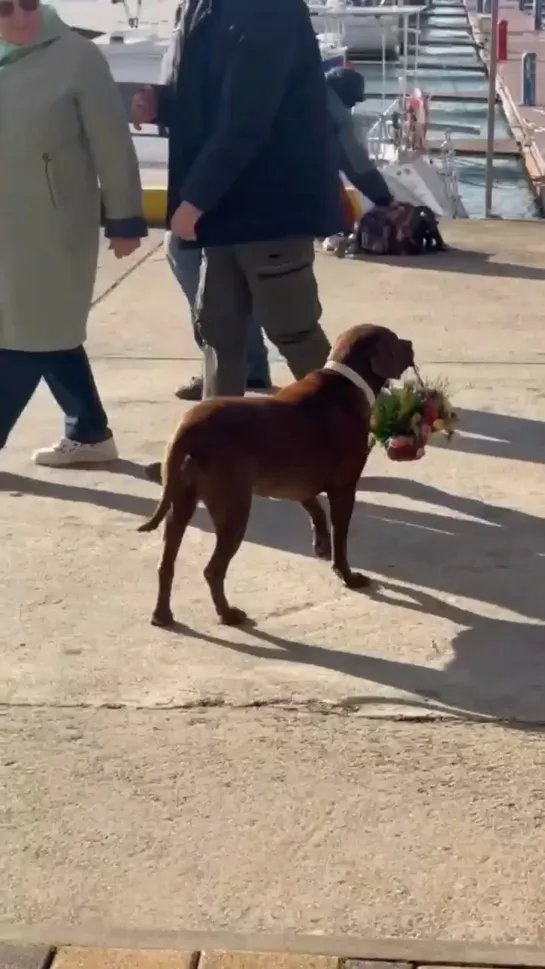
528,79
502,40
537,8
491,118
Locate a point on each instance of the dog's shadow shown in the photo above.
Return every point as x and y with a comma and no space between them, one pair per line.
456,546
492,554
497,669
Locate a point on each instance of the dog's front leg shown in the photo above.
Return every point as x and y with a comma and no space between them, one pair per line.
341,506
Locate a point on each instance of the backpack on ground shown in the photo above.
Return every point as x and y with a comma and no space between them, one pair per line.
399,229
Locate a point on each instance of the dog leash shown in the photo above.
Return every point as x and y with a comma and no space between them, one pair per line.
418,376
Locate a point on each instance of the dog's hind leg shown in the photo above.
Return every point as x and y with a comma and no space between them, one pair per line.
320,528
341,506
178,517
229,511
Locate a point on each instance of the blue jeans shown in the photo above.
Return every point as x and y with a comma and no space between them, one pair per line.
186,266
70,379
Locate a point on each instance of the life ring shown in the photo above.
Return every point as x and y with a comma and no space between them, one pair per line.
417,112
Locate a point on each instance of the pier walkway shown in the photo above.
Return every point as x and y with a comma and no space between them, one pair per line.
527,124
369,764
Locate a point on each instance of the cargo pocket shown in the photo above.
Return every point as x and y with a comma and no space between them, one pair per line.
49,179
283,286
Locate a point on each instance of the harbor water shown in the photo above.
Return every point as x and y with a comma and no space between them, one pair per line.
450,69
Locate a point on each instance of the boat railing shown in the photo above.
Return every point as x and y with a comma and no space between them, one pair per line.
449,171
382,134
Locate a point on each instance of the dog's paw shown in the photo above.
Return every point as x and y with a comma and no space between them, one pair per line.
233,617
162,619
357,580
322,547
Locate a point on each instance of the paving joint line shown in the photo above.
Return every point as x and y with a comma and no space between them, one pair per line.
342,708
406,953
50,958
124,275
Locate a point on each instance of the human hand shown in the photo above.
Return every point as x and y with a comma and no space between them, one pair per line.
122,248
184,220
144,107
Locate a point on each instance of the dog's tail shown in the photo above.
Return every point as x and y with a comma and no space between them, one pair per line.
175,458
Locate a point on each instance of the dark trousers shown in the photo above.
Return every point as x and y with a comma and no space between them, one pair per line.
275,282
186,266
70,379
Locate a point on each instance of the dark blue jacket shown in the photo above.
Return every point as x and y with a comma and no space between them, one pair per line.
250,140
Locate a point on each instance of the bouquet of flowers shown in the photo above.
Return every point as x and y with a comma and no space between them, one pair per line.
404,417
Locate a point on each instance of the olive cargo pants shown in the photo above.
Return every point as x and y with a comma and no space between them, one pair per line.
273,280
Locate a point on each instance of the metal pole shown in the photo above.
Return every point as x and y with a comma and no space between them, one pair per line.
492,71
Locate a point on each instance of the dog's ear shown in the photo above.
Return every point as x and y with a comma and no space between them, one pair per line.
385,359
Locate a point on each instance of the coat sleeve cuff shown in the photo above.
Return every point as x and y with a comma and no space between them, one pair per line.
132,228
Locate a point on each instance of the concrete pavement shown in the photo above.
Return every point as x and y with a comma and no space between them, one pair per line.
198,950
329,769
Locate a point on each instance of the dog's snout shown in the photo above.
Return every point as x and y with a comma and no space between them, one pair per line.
408,353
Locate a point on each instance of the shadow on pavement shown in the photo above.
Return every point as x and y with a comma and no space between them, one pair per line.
497,672
464,261
495,555
497,436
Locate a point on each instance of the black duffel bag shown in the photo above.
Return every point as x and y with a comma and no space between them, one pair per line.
398,229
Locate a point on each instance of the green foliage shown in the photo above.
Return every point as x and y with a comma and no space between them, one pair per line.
399,410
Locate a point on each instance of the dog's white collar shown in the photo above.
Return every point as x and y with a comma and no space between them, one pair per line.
353,377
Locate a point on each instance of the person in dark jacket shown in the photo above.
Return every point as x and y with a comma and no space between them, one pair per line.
253,175
345,89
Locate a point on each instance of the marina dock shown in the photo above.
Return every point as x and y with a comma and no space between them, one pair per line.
449,64
526,123
354,763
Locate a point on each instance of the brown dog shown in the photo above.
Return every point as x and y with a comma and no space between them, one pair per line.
307,439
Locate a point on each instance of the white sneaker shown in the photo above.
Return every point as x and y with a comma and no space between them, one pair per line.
331,244
66,453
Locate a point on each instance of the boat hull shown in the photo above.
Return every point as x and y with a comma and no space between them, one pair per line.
418,181
363,36
135,58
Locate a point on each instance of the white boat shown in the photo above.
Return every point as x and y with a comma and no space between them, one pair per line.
366,31
398,140
134,53
333,51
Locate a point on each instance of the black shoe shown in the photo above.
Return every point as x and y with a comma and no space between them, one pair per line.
259,384
193,390
190,391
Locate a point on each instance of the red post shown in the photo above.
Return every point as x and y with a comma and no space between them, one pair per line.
502,40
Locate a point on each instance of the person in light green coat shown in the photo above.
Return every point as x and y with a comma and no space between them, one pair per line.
66,160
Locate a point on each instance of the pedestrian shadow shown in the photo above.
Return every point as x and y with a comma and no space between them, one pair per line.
137,505
492,555
498,436
496,671
464,261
